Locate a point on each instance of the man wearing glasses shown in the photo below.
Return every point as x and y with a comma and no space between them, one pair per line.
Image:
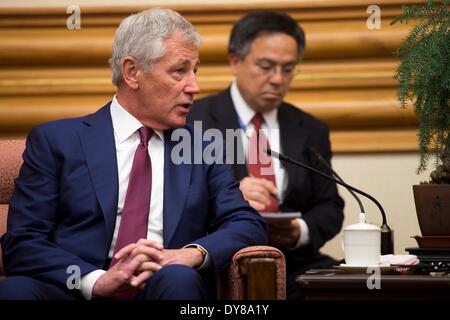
264,50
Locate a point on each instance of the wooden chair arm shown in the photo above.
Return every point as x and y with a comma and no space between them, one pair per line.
255,273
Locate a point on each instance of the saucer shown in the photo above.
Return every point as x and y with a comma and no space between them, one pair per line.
363,269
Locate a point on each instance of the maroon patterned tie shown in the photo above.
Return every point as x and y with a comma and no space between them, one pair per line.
260,164
134,222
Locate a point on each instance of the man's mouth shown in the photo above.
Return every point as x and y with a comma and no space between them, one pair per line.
185,106
272,94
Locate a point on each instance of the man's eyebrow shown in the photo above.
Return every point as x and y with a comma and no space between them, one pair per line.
183,62
187,62
265,60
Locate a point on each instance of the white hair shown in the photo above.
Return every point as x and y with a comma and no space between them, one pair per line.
142,36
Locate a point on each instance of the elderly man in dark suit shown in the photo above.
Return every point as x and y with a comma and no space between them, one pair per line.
264,49
102,198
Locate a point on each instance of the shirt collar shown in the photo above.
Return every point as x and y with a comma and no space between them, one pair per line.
124,123
245,113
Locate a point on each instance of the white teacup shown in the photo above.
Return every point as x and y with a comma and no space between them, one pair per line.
362,244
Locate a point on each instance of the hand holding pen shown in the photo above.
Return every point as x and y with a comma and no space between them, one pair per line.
258,192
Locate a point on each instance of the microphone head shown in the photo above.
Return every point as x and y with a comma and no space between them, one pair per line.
268,151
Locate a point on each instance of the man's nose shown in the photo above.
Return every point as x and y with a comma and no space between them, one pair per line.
192,86
277,77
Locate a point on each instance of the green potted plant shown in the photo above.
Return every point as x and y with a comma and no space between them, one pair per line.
424,81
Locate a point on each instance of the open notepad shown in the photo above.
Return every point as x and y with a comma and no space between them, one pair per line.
278,216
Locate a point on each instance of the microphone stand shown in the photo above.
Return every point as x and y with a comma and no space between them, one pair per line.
387,243
325,163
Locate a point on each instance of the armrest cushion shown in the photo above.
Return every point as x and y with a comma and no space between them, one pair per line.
10,162
237,272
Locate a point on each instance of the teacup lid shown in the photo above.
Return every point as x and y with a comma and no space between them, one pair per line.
362,225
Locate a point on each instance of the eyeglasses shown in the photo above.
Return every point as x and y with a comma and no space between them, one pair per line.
269,68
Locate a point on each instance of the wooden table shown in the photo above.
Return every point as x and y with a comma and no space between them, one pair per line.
334,284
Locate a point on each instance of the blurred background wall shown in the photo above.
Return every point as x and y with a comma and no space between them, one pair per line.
54,65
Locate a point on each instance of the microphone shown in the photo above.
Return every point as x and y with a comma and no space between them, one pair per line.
387,242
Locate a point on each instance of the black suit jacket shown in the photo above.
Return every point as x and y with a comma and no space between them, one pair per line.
313,195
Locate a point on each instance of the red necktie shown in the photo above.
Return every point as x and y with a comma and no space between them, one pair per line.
134,222
259,163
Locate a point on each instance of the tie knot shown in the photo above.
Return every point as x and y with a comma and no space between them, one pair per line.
145,133
257,121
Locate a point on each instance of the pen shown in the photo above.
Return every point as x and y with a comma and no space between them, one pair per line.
275,196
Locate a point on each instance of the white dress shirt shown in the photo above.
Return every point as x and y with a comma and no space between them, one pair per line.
126,137
271,129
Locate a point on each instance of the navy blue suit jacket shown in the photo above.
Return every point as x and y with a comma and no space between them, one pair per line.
64,206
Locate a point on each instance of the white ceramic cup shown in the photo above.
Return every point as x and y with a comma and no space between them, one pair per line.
362,244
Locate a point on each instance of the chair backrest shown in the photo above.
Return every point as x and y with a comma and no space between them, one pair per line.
10,162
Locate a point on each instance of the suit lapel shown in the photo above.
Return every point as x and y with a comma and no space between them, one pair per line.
97,140
176,187
225,116
292,139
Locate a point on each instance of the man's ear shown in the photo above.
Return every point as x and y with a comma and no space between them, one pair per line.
130,72
234,62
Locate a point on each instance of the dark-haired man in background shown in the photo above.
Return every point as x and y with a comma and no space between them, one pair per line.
264,49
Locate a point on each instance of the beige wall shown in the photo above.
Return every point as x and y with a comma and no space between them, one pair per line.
389,179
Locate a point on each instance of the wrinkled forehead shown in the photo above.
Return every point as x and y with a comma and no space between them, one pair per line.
177,48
